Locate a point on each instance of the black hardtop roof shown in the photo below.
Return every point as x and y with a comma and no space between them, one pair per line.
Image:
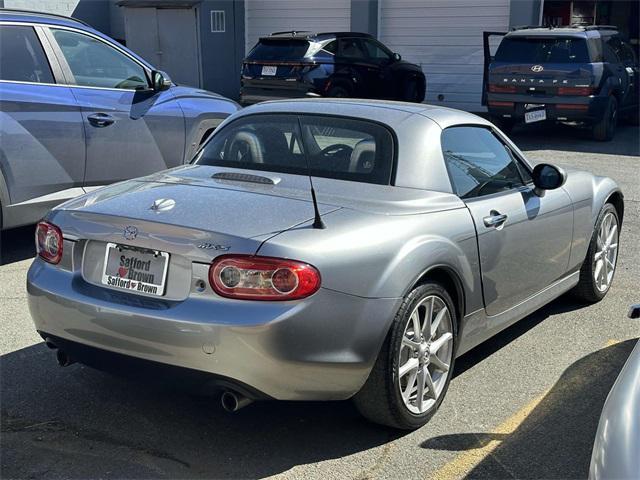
313,36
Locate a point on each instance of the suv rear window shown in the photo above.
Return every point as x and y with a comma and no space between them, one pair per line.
281,50
332,147
543,50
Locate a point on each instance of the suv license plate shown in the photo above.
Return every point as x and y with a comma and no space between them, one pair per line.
135,270
535,116
269,70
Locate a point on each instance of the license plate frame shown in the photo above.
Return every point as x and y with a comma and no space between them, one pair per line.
535,116
269,70
139,285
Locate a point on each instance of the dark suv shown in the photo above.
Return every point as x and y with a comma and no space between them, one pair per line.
569,74
299,64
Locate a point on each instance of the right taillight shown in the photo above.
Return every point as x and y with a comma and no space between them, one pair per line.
493,88
577,91
249,277
49,242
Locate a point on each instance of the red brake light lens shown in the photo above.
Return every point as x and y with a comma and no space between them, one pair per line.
493,88
578,91
49,242
250,277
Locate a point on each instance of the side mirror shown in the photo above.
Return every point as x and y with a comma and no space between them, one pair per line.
161,81
397,57
547,177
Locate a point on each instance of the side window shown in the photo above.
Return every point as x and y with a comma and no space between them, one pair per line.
376,51
628,56
96,64
22,58
478,163
331,47
612,48
350,48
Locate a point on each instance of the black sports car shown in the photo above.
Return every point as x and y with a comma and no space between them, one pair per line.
347,64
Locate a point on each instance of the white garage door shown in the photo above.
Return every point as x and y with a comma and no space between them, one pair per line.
445,38
264,17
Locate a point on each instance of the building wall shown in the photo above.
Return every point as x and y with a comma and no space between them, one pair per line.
444,37
267,16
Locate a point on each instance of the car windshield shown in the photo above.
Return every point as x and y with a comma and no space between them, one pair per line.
543,50
280,50
325,146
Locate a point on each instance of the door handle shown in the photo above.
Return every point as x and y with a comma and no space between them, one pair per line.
100,120
495,219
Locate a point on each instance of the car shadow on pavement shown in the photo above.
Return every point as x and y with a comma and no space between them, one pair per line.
555,440
567,138
17,244
76,422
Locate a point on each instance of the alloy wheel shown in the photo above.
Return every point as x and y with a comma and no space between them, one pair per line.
604,260
425,354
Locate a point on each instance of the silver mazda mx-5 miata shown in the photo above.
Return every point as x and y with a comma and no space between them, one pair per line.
323,250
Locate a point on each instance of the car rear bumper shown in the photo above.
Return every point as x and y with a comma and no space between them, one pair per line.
254,94
580,109
319,348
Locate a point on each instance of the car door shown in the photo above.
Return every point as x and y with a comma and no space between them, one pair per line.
365,74
524,240
612,47
381,60
42,149
131,129
632,69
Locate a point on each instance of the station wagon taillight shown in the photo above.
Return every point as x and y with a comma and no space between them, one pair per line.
49,242
249,277
577,91
493,88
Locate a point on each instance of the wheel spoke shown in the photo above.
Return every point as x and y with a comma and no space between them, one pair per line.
428,315
610,263
438,363
406,393
415,318
411,364
612,232
436,322
599,264
420,396
437,344
598,254
429,382
410,343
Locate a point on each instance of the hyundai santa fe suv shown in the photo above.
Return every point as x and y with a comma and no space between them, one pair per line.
587,75
80,111
302,64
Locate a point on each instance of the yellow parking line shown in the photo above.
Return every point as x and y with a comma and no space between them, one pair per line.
465,462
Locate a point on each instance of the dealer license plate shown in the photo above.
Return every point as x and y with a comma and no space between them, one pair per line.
535,116
269,70
135,270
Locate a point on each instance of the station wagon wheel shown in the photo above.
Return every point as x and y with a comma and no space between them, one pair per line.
425,354
599,266
412,372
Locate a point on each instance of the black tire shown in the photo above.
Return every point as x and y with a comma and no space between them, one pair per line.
379,400
338,91
605,128
586,289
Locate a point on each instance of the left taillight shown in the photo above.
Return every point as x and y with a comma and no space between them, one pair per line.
49,242
248,277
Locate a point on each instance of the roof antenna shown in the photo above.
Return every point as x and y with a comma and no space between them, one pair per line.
317,220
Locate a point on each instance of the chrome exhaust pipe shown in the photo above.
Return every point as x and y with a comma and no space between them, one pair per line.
232,401
64,360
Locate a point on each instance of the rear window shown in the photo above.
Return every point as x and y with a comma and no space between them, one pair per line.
332,147
543,50
280,50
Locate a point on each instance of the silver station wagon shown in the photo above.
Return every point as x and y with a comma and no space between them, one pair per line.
322,250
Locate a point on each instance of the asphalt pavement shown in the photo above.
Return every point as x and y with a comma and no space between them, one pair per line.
523,405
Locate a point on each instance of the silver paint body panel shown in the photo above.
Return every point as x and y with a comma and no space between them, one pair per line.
379,241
